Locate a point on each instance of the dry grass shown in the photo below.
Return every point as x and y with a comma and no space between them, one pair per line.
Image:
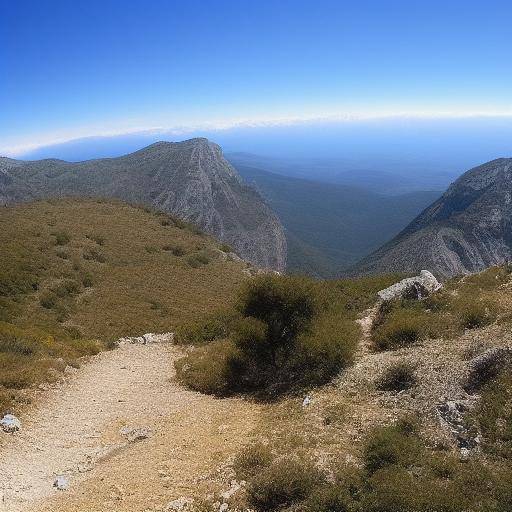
72,271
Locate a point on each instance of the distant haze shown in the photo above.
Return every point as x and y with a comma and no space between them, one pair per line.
432,151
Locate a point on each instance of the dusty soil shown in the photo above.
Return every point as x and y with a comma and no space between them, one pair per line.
76,430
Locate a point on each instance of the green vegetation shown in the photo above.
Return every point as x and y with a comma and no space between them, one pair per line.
464,303
398,377
75,275
283,334
400,473
283,483
493,416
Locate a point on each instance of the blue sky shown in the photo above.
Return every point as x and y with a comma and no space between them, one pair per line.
75,68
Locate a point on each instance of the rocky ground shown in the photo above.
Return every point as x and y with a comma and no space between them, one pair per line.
123,436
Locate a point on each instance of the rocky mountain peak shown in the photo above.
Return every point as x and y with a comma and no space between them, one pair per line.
190,179
466,230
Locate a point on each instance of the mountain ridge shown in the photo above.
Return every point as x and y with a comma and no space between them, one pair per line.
468,229
190,179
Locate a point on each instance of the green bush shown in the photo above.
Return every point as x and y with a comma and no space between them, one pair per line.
252,459
284,483
400,330
397,377
493,416
48,299
62,238
473,314
208,369
212,327
93,254
176,250
284,338
396,445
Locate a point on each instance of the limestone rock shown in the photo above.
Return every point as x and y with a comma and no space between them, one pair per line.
10,423
417,287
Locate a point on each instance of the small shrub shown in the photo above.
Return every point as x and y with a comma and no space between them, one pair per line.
397,377
252,459
48,300
62,253
176,250
66,288
284,483
62,238
93,254
208,369
196,260
225,248
87,280
284,337
212,327
493,416
16,345
151,249
399,331
394,445
473,314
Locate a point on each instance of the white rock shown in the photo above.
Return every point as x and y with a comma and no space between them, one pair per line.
10,423
61,483
179,504
136,434
307,400
417,287
150,337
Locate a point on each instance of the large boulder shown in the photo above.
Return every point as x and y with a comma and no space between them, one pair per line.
418,287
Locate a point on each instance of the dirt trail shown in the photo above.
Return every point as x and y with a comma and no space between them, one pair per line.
75,430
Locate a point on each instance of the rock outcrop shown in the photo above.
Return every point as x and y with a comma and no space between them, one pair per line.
417,287
189,179
467,230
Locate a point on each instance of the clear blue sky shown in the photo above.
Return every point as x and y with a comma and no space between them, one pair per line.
71,68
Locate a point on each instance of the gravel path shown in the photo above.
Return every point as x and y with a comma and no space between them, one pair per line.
84,427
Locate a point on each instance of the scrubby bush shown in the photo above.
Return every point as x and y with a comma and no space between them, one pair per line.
176,250
284,483
285,337
208,369
62,238
212,327
399,330
93,254
397,377
473,314
252,459
62,253
493,416
48,299
397,445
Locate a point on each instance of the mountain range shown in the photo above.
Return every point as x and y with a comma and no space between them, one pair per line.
190,179
469,228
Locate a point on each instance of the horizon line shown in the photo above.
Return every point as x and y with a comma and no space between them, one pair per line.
17,150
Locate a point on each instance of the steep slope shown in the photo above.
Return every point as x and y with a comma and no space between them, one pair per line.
190,179
468,229
329,226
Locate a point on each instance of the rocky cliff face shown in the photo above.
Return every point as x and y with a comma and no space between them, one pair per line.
190,179
468,229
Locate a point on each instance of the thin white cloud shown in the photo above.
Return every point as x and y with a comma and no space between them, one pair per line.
25,146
